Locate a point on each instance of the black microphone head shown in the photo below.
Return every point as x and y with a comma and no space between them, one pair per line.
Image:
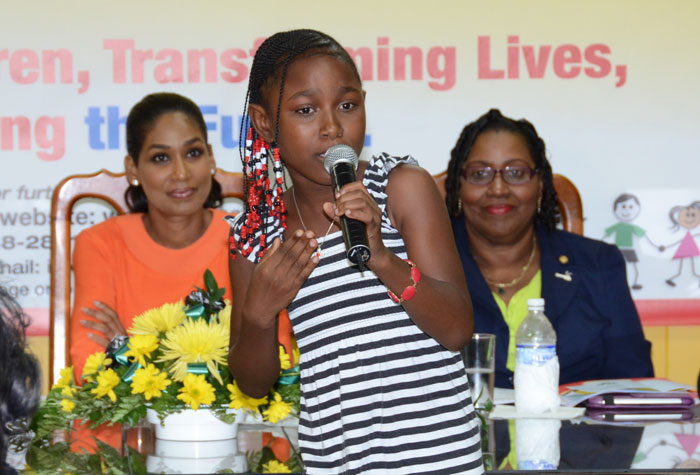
340,153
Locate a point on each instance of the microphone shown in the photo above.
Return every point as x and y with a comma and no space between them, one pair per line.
341,162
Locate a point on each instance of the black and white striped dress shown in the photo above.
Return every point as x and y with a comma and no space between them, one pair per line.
378,394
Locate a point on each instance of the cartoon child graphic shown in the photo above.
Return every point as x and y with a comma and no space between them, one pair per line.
626,208
687,217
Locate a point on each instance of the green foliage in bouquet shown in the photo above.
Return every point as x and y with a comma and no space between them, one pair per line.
51,459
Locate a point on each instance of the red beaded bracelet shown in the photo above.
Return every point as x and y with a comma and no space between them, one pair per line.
409,291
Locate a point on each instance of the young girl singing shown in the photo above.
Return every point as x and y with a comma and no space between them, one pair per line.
383,384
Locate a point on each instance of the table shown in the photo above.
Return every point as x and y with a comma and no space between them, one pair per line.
583,446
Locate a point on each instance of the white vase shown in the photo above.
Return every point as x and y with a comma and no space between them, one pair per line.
195,426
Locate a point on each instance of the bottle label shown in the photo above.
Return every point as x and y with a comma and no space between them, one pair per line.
535,355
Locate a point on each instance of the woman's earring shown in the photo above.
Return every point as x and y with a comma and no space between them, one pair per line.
539,204
135,182
213,171
459,205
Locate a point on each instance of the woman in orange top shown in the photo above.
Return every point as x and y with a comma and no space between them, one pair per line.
158,253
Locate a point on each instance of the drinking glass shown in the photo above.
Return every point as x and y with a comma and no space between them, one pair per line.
480,362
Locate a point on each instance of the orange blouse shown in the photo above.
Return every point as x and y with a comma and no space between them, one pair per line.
118,263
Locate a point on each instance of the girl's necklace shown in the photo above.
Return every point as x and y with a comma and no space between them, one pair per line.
320,244
502,286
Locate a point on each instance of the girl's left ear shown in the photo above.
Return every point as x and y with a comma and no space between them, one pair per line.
261,121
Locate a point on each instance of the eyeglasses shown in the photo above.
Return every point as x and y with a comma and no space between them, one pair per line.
512,174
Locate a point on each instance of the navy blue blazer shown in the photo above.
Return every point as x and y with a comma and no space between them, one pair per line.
587,300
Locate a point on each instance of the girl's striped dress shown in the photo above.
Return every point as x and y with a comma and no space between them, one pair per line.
378,395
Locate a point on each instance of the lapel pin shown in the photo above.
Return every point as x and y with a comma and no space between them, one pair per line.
563,259
567,276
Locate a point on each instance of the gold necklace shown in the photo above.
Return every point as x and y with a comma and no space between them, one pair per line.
502,286
320,244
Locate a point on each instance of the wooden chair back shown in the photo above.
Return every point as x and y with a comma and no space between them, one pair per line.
568,198
103,185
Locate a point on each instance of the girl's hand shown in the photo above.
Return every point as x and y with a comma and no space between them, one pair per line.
279,275
353,201
107,325
260,292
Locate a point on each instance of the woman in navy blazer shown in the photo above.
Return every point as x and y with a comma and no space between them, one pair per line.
504,215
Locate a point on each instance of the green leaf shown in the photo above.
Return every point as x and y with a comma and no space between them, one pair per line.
218,294
125,407
489,462
255,461
138,462
115,463
294,464
222,415
210,281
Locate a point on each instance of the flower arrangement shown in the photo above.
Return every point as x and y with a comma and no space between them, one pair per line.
174,359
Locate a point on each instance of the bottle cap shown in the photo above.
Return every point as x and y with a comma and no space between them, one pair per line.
535,304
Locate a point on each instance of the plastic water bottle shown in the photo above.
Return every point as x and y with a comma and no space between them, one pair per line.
536,362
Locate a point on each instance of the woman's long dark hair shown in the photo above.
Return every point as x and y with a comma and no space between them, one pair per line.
20,376
548,214
140,122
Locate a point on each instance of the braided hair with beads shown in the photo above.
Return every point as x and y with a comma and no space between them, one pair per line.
265,210
548,213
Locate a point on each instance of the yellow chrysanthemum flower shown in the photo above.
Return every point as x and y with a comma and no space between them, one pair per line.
66,378
158,320
67,405
225,316
150,381
240,400
277,410
285,364
141,346
107,380
196,390
95,363
195,341
275,466
68,391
